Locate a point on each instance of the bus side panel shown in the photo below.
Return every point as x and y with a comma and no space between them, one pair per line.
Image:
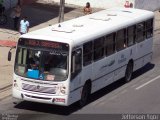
74,95
122,59
103,73
86,73
99,73
143,50
78,82
148,52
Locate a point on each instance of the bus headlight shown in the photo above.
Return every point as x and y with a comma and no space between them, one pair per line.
15,84
63,89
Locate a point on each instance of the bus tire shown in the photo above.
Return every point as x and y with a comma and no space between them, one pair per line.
129,71
85,95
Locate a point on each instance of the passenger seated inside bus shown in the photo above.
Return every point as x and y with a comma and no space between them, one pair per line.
33,62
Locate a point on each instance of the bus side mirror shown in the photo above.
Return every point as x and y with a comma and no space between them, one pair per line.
9,55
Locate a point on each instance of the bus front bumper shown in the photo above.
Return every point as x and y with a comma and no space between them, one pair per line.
19,96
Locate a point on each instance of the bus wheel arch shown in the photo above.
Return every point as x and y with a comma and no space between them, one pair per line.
86,91
129,71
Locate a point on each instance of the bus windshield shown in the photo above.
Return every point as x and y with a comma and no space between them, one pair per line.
35,62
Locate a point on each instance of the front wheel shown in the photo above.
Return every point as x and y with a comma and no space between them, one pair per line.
85,95
129,71
3,19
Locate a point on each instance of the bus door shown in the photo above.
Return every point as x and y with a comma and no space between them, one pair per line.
76,74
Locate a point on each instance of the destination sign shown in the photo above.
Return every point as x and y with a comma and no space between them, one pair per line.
43,44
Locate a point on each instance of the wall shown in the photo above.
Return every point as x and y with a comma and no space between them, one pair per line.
98,3
151,5
142,4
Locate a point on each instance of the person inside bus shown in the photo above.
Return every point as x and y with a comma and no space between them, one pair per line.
87,9
125,44
33,61
33,64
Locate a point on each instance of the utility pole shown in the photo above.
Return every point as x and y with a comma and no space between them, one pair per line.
61,11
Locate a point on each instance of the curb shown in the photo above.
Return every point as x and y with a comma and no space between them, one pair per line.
8,43
5,86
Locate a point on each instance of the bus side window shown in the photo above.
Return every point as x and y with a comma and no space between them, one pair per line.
87,53
76,66
149,28
109,44
98,48
131,35
140,32
121,39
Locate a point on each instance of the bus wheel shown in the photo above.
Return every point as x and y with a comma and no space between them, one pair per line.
129,71
85,95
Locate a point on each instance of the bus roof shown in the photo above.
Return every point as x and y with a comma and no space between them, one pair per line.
81,29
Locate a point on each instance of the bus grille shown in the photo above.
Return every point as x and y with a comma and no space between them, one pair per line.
41,89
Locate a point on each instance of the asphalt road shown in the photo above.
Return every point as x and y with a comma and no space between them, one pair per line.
140,96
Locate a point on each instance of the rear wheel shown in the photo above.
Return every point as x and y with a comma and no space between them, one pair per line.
129,71
85,95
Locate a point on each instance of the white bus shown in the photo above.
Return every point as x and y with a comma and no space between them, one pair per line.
66,62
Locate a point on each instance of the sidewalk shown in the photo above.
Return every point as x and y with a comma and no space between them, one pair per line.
40,15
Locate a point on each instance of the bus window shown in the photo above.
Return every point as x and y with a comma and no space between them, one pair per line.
121,39
149,28
140,29
76,65
87,53
98,48
41,64
130,35
21,56
110,44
